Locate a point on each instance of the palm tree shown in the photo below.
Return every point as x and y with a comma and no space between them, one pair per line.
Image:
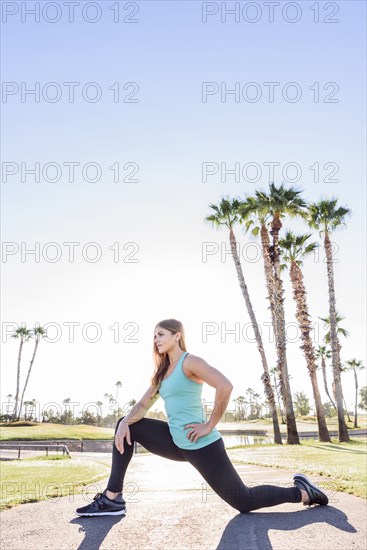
99,409
294,248
240,402
38,333
339,331
26,409
227,214
274,372
326,216
355,365
9,396
254,216
322,352
118,386
24,335
278,203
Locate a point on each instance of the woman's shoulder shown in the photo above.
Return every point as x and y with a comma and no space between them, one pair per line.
192,360
191,364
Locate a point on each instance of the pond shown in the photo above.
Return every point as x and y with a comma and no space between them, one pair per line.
232,440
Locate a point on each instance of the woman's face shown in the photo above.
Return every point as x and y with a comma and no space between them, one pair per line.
164,340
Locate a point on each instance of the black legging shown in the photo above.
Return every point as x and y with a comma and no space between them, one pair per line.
211,461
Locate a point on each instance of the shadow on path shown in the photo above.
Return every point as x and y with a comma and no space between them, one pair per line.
95,530
251,531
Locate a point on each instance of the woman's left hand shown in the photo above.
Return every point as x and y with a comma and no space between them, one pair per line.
197,430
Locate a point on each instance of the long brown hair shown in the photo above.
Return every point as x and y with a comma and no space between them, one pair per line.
161,360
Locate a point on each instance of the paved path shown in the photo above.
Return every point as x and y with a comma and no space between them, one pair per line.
169,509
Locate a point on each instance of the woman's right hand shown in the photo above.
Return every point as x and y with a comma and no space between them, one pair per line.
123,431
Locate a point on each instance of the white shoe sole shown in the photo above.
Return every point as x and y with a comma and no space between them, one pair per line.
118,513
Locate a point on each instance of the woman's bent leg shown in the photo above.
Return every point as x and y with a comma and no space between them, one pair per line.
214,465
154,435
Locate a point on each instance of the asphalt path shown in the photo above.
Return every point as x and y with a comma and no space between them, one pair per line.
170,508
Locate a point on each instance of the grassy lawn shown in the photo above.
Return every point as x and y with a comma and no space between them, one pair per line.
343,463
53,431
44,478
47,430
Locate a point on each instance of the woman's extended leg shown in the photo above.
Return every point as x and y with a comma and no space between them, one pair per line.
154,435
214,465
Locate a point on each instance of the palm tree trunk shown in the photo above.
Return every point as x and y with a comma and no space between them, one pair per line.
343,431
266,375
278,397
15,412
356,398
303,318
323,367
346,410
269,274
292,433
29,370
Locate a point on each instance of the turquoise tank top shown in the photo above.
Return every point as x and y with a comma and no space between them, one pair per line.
182,401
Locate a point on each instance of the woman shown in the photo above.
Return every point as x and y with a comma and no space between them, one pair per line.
178,378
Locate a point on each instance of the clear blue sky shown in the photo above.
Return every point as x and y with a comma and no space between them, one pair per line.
169,133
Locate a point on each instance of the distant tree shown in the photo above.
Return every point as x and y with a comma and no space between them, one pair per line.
67,416
87,418
155,413
38,333
329,409
322,352
99,413
301,403
24,335
8,415
363,398
276,386
355,366
118,386
27,409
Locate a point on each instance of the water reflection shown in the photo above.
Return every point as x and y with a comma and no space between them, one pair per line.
232,440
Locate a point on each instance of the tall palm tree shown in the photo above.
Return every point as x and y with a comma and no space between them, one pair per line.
294,248
38,333
274,372
322,352
256,218
118,386
227,214
342,332
326,216
278,203
355,365
24,335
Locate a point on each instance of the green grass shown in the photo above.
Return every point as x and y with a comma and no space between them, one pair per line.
29,431
44,478
342,464
53,431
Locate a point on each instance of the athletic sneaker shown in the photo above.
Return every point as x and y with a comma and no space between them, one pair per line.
315,495
103,506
